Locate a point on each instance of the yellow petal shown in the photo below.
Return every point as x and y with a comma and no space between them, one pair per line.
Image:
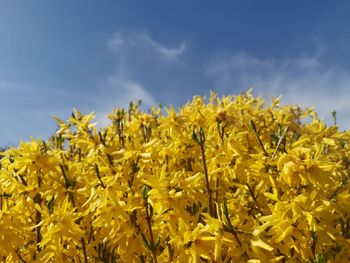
259,243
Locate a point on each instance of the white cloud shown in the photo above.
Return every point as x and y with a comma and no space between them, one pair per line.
30,119
116,42
132,52
143,40
129,90
304,80
121,92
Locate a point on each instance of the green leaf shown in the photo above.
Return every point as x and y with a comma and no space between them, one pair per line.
145,191
157,243
146,242
194,137
252,125
224,209
150,207
97,170
320,258
50,204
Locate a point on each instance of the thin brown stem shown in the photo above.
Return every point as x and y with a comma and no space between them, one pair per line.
68,185
206,175
252,125
20,256
84,250
200,140
279,142
38,216
343,183
228,227
152,246
217,190
221,131
233,232
149,219
97,170
37,200
255,201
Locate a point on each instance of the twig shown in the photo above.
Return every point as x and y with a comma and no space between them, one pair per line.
254,199
343,183
84,250
99,176
229,227
38,217
252,125
149,213
279,142
200,140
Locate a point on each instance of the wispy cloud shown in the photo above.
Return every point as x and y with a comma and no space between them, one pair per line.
22,105
121,91
129,80
129,90
144,41
303,80
116,42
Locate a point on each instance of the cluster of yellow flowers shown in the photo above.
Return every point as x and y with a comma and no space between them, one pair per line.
226,179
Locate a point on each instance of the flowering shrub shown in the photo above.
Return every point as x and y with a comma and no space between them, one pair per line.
227,180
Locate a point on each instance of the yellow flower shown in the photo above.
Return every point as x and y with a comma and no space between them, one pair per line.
231,179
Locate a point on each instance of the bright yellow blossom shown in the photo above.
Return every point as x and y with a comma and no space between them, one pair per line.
228,179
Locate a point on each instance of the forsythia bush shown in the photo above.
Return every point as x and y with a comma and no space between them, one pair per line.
227,180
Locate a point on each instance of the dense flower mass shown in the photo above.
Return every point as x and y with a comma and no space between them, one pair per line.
222,180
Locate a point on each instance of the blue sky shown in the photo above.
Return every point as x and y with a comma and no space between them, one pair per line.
97,55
